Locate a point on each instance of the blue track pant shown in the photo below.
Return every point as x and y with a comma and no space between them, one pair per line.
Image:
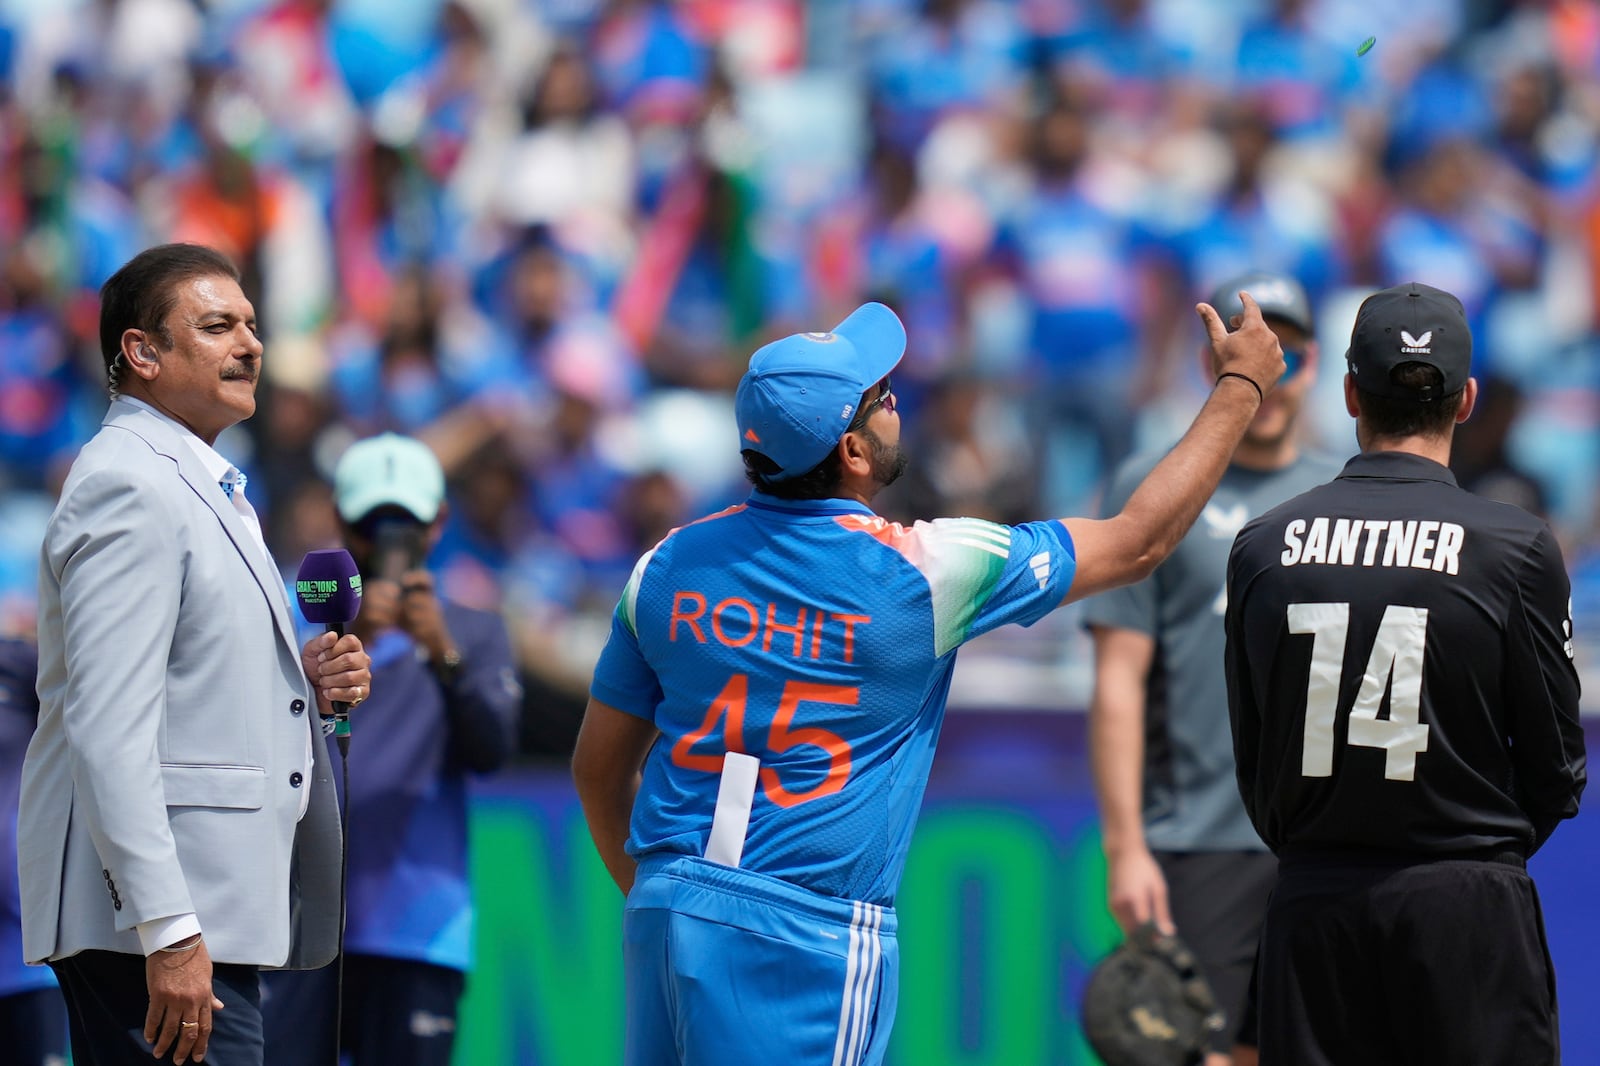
726,967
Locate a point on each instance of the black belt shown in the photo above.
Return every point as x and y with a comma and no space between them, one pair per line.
1314,858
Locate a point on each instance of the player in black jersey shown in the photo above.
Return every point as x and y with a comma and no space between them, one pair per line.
1405,723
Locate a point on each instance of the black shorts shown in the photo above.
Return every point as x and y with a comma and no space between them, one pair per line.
1217,900
1432,964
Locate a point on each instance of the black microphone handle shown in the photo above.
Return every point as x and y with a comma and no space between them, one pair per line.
341,711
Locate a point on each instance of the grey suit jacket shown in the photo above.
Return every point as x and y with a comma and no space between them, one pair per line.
165,773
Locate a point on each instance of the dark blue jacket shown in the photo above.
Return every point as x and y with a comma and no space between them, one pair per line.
413,744
19,711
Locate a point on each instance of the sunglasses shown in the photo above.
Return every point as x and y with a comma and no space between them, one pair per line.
884,399
1294,361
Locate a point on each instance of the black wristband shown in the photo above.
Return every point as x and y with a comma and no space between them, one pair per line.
1261,397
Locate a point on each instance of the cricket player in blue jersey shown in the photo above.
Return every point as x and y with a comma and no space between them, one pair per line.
780,671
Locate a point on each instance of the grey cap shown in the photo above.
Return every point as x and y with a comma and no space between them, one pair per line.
1410,323
1278,295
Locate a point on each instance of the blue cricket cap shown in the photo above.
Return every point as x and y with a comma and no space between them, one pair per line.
800,393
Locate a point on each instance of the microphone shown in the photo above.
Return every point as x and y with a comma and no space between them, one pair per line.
328,587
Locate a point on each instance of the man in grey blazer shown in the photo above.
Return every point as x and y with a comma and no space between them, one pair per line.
178,828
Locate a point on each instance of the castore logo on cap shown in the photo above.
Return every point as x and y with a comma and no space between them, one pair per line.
1416,345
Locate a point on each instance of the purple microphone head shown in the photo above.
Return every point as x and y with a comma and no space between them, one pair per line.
328,587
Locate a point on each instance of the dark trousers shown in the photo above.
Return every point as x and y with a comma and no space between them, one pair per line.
1435,964
397,1012
1218,899
33,1028
107,1001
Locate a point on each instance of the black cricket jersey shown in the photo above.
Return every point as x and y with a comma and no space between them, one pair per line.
1399,667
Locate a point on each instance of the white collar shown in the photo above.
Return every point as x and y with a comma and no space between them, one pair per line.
216,466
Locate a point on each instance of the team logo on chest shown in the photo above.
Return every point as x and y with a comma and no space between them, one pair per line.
1224,521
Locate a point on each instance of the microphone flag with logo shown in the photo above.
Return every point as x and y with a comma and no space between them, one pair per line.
328,587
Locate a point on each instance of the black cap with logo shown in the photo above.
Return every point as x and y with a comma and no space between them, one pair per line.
1410,323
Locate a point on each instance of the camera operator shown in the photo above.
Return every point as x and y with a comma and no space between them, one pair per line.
447,708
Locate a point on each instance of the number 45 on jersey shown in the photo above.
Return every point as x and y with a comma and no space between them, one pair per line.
728,712
1395,665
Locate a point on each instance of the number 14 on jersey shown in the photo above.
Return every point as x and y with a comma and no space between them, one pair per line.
1395,665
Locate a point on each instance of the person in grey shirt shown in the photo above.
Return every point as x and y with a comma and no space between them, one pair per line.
1180,850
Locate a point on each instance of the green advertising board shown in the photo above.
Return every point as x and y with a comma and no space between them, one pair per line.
1001,914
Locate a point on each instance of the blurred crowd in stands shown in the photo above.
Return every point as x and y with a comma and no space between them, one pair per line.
545,235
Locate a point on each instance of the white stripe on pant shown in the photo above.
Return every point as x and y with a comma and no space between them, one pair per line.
860,983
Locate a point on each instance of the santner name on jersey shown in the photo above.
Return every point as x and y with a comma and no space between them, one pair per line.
1419,544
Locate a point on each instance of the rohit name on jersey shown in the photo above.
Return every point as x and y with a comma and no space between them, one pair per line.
735,622
1421,544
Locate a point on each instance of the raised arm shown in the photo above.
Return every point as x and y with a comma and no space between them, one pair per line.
1130,544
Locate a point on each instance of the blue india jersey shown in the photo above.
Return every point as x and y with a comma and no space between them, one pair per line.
820,639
